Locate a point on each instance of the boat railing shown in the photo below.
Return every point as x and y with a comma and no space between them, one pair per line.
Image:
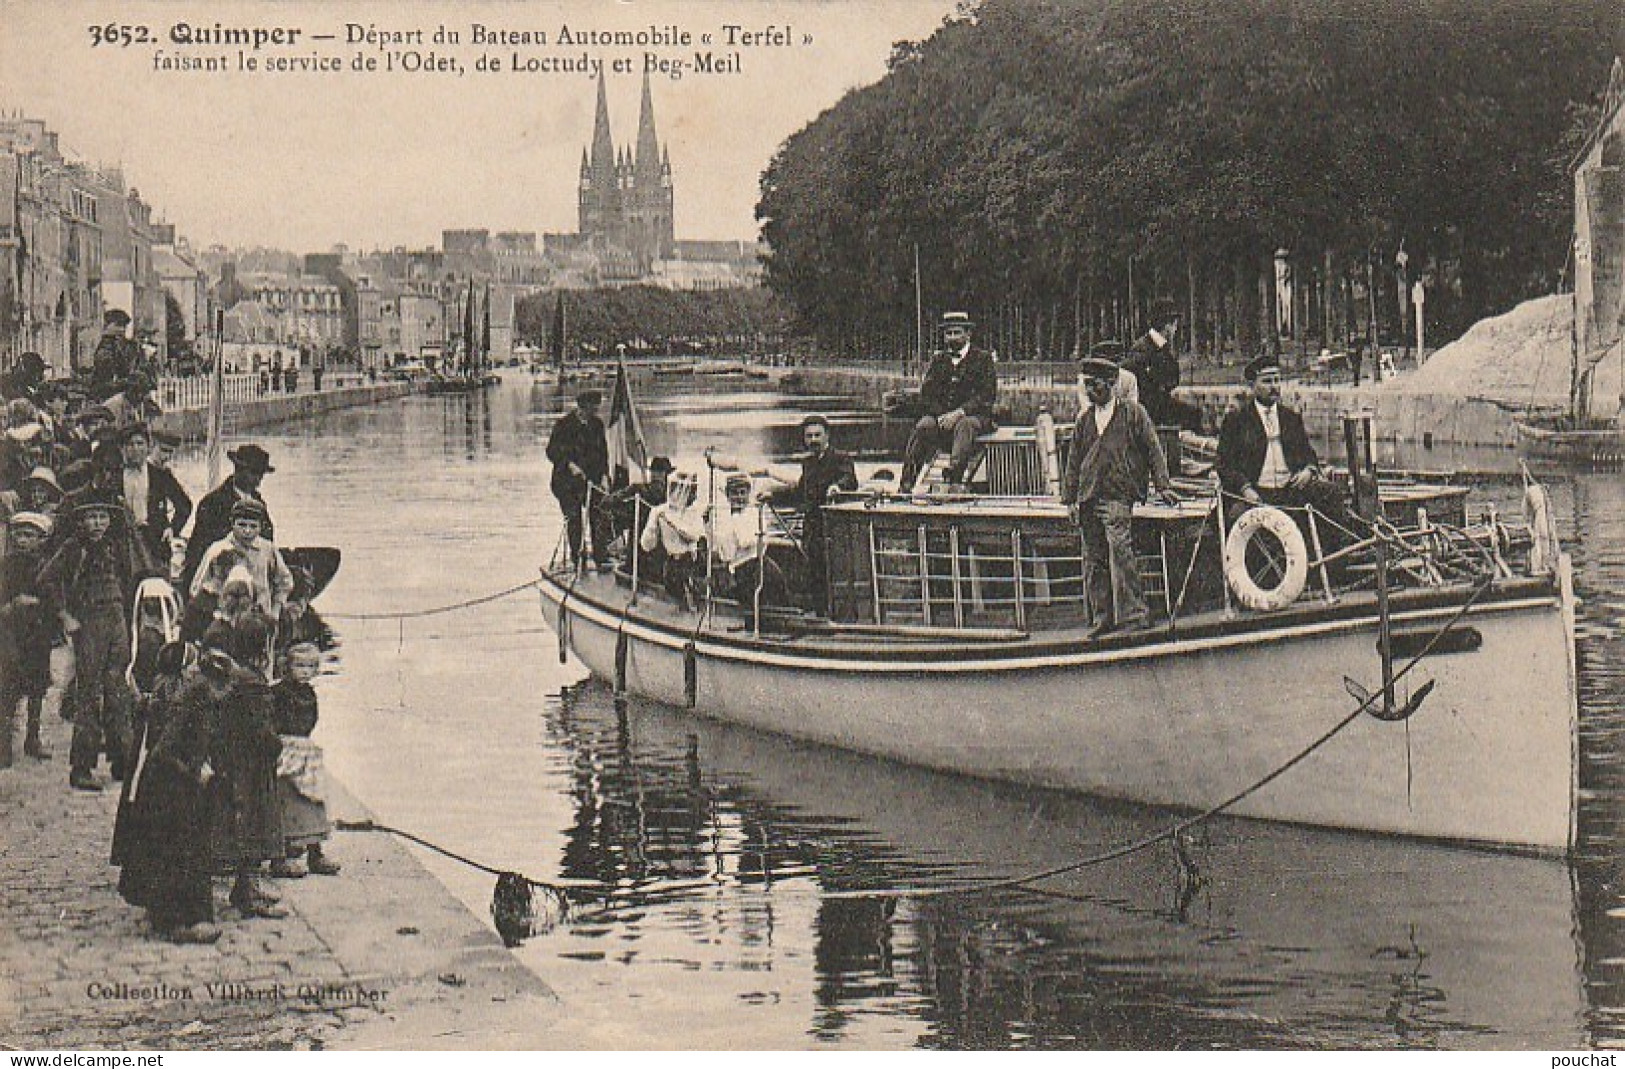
923,566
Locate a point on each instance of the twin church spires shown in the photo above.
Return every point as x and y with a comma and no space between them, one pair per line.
625,197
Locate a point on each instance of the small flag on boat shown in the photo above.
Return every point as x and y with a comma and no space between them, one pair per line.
627,451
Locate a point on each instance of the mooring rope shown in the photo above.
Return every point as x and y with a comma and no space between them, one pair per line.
438,610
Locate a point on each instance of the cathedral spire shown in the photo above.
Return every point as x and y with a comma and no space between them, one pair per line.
603,147
647,166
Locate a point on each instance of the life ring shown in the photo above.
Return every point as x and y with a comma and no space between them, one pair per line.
1247,589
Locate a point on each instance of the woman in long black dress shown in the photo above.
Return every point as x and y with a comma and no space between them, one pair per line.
164,842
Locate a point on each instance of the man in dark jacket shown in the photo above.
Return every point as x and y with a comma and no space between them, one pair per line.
823,469
90,581
1155,366
1265,457
115,358
957,395
579,452
160,505
250,466
1114,449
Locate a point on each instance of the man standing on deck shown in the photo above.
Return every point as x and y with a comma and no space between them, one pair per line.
958,394
579,451
1114,449
1265,457
250,466
1155,365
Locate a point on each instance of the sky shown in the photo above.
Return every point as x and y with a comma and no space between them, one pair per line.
303,158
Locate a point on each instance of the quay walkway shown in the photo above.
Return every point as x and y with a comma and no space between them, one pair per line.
379,957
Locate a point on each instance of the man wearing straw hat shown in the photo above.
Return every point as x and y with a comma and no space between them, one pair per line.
958,393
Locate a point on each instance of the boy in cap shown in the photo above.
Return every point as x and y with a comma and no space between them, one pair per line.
90,581
26,633
271,577
250,464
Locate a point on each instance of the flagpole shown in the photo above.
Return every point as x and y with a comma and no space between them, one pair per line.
217,399
919,313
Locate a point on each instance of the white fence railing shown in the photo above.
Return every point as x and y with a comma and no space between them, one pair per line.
177,394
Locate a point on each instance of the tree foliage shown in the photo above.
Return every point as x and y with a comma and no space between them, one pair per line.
652,319
1058,163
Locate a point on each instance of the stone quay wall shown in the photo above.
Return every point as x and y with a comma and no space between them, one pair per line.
281,408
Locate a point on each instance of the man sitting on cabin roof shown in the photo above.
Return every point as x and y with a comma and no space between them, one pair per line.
1114,449
958,394
1265,457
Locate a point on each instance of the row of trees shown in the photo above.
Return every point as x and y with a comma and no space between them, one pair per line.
1057,163
656,320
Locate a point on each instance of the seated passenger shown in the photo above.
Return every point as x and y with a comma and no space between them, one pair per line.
625,510
737,540
1265,457
671,537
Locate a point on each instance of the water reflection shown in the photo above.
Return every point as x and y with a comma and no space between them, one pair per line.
1293,939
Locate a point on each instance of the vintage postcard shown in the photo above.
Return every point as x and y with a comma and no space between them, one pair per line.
809,525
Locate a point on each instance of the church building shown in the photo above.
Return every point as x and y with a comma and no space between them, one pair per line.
625,195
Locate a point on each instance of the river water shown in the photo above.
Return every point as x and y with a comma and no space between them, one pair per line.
730,853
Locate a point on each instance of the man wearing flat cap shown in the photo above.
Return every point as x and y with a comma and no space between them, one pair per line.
579,452
116,355
1265,457
1155,366
88,582
958,394
1114,451
250,464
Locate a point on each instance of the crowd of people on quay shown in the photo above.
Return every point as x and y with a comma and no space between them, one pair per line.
1115,460
190,673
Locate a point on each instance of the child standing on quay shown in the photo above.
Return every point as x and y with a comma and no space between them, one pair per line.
304,813
26,632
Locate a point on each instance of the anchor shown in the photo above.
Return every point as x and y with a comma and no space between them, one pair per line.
1388,712
1363,472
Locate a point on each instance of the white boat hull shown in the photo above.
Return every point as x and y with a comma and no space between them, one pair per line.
1489,759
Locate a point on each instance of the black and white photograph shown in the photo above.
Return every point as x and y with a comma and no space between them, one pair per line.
812,525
